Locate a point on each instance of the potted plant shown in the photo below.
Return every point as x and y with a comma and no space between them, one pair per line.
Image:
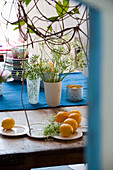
53,68
5,75
33,80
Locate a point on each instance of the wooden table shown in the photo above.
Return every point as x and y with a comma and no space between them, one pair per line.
22,153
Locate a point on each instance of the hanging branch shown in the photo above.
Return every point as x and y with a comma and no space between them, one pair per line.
64,11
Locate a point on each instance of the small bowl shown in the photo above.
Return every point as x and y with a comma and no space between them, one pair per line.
74,92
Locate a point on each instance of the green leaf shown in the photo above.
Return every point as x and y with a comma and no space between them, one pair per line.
24,1
31,31
27,2
17,23
59,8
66,5
15,28
71,12
21,23
76,11
55,18
62,8
50,28
31,26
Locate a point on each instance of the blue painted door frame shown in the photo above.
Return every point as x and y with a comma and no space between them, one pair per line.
93,152
94,123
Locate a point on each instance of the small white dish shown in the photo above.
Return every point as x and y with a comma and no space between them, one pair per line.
15,131
37,130
38,133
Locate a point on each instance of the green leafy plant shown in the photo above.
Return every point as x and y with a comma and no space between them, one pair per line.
52,66
32,68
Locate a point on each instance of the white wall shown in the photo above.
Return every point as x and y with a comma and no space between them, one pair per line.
7,32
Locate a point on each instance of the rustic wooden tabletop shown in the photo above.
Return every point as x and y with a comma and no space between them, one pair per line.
23,152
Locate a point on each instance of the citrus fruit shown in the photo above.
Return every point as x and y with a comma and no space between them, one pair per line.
76,116
72,122
61,116
66,130
8,123
75,111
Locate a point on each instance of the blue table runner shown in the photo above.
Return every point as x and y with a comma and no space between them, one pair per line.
11,98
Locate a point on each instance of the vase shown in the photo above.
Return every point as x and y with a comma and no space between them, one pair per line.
33,87
0,89
47,77
53,93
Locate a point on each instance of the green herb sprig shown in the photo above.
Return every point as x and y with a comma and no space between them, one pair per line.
51,129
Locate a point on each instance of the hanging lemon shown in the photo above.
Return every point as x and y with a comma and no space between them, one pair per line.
8,123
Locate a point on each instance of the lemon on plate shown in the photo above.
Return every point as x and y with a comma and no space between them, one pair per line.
8,123
76,116
66,130
71,122
75,111
61,116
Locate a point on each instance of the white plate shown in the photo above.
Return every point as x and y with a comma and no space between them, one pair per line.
83,129
76,135
84,122
37,130
83,125
15,131
38,133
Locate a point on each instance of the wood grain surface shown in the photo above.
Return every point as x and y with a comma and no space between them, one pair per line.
24,152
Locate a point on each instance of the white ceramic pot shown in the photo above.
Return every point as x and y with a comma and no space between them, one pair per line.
33,87
53,93
47,77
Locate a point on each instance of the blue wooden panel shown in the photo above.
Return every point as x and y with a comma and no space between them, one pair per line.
95,55
93,154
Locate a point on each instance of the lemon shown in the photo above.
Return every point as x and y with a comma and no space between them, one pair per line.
66,130
76,116
8,123
75,111
61,116
72,122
